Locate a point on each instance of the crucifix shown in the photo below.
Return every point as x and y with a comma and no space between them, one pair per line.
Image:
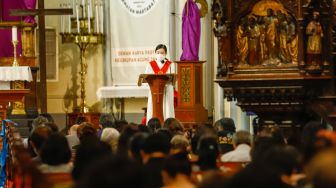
41,13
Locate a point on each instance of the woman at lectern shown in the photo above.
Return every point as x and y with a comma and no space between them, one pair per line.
161,65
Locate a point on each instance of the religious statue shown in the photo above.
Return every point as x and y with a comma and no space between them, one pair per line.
292,42
267,36
283,37
242,41
253,42
263,46
314,44
271,22
191,31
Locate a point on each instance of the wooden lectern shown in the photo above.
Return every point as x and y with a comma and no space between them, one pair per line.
190,109
157,84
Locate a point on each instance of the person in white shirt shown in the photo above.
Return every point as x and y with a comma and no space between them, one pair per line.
161,65
242,143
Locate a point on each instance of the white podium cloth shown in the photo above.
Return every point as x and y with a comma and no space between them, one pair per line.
123,92
20,73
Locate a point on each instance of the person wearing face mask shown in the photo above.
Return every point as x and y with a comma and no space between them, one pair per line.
161,65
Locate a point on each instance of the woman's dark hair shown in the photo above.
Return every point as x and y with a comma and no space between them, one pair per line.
117,172
154,124
158,142
177,164
86,129
55,150
39,136
207,150
120,125
90,150
136,144
226,124
199,132
161,46
173,125
125,137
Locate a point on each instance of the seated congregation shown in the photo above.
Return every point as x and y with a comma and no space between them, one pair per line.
125,155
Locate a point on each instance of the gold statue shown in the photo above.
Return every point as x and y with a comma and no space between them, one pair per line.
263,46
283,38
293,49
272,23
253,41
242,42
314,45
292,44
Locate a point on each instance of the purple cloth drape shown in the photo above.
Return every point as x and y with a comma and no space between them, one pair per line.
29,4
6,47
191,31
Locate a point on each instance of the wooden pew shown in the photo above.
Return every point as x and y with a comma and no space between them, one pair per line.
228,169
60,180
21,172
231,168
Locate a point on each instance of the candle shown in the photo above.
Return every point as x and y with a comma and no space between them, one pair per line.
101,11
69,19
97,18
77,17
14,33
83,8
62,21
73,7
89,16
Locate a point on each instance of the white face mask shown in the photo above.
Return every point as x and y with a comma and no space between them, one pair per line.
160,57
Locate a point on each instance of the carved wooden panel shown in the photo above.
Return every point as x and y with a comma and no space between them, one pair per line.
185,85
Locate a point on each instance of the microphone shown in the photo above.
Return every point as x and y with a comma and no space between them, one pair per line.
165,59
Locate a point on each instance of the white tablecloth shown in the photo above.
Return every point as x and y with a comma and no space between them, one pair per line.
20,73
123,92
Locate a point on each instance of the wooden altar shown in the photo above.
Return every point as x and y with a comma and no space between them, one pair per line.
268,62
27,58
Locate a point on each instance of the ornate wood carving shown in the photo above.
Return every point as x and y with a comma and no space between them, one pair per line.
277,56
185,87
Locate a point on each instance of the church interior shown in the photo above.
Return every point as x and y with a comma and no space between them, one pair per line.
167,93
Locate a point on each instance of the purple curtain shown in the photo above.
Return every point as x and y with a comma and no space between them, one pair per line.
6,48
191,31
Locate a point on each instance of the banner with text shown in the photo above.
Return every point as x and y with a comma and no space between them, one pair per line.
137,26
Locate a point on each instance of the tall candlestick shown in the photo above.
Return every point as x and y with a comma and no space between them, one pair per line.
15,62
14,33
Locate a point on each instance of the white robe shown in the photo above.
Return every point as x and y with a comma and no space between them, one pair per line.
168,96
